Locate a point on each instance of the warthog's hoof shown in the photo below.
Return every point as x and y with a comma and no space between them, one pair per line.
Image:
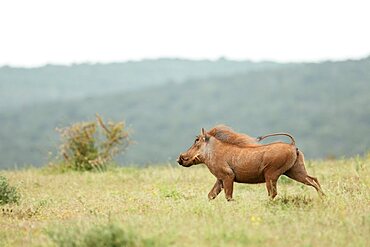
211,196
230,199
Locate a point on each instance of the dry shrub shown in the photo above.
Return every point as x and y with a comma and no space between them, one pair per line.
91,145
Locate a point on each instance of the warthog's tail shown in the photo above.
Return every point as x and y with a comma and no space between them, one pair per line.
260,138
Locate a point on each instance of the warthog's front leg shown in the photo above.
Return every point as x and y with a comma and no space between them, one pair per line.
215,190
228,183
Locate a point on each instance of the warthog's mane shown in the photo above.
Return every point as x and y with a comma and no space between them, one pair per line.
227,135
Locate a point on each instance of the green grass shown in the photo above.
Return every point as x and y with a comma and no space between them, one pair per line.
168,206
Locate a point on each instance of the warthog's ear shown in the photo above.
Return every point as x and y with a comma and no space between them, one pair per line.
204,133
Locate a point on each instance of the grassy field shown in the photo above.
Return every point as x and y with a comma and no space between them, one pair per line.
168,206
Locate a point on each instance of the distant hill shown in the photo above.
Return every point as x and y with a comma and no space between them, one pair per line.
21,87
326,106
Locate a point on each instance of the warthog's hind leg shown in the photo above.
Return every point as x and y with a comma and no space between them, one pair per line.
215,190
298,172
305,179
315,183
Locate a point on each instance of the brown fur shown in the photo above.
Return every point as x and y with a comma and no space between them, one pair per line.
227,135
234,157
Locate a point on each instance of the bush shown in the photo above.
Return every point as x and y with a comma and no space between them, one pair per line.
105,235
110,235
91,145
8,194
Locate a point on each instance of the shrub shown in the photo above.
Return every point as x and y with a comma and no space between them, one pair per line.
108,235
8,194
91,145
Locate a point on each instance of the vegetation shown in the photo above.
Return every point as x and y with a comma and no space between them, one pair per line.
84,147
168,206
109,235
20,87
8,193
325,106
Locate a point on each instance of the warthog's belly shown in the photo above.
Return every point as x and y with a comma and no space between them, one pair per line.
249,177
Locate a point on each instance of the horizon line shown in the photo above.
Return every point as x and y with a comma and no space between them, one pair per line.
220,58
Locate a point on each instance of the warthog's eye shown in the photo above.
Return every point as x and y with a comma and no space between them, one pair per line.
196,140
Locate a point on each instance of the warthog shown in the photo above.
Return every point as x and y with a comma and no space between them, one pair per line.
234,157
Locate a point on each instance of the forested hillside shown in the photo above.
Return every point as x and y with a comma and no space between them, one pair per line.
25,86
326,106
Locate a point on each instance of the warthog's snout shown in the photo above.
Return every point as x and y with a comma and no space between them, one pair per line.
181,159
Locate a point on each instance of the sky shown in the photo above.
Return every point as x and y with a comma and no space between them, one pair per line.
38,32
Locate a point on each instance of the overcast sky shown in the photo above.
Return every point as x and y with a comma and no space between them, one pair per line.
37,32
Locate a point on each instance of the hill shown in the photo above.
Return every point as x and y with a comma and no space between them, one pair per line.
21,87
325,106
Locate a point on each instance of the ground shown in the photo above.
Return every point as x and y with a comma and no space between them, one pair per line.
168,206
